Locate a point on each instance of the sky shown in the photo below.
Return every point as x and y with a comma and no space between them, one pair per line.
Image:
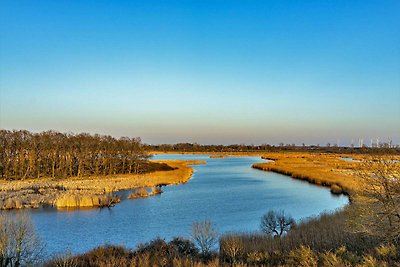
211,72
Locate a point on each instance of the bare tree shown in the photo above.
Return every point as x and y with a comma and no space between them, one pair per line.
377,204
204,235
63,260
19,244
276,223
57,155
231,246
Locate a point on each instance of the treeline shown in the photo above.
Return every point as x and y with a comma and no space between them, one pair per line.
59,155
194,147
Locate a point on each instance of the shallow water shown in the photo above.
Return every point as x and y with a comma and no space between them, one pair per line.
226,191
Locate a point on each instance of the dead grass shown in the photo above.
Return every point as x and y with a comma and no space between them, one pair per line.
324,169
87,189
320,169
219,156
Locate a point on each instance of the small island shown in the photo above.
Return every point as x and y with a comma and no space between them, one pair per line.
220,156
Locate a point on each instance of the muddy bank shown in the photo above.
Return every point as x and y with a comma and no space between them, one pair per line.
87,191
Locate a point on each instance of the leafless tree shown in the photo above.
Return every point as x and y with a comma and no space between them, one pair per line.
377,204
19,244
276,223
204,235
57,155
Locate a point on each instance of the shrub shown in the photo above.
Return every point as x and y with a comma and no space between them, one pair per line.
370,261
184,247
303,257
386,251
231,248
63,260
330,259
108,255
257,258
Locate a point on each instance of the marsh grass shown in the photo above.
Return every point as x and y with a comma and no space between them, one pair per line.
320,169
88,191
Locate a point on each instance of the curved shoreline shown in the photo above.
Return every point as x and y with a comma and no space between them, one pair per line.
321,169
87,191
335,188
326,170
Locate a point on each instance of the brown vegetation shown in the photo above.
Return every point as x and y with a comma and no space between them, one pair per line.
320,169
177,252
142,192
27,155
326,240
381,148
91,190
378,202
219,156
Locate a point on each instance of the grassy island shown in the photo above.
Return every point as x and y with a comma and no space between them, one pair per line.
91,191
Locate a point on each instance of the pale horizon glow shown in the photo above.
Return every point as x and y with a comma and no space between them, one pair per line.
211,72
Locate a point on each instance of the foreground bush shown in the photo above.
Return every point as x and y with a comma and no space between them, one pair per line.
321,241
323,233
182,253
158,252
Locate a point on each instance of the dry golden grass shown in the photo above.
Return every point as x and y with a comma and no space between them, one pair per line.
320,169
325,169
85,191
222,153
181,174
219,156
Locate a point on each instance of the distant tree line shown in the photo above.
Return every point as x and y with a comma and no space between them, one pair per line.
194,147
59,155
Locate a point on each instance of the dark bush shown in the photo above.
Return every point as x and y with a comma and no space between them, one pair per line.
184,247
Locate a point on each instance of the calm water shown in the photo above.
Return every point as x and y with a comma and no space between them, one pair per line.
226,191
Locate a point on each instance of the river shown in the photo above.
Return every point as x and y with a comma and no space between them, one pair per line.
226,191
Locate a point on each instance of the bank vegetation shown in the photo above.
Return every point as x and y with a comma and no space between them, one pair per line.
78,170
362,234
26,155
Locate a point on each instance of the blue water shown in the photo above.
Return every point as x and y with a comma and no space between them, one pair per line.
226,191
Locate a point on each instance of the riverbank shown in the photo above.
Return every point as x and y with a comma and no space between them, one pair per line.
324,170
87,191
330,170
339,172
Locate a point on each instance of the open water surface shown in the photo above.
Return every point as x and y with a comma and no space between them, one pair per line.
226,191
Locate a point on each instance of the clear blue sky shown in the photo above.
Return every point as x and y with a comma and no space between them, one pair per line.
203,71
